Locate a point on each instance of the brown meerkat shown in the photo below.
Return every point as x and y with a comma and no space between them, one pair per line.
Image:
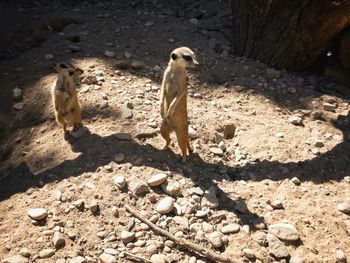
173,101
65,97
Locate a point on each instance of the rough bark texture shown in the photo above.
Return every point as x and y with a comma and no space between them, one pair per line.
285,33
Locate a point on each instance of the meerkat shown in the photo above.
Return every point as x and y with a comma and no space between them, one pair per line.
65,97
173,101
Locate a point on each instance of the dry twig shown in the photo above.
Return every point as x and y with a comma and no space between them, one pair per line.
141,259
182,242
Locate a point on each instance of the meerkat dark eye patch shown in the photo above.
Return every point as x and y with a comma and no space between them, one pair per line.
173,56
187,58
71,72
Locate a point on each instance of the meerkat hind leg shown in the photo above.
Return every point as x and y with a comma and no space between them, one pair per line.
165,131
183,143
61,121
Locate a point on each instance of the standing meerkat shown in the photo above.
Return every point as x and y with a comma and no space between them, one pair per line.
65,96
173,101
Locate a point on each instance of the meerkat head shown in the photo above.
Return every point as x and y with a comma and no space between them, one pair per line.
183,57
69,71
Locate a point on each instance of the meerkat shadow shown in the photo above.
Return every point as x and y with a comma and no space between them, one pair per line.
75,135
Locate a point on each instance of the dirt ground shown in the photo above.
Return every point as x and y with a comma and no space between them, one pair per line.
41,168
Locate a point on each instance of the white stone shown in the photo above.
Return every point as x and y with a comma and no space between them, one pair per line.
58,240
295,180
37,213
119,181
157,179
18,106
340,257
279,135
192,132
15,259
296,120
138,187
284,231
230,229
94,206
109,54
78,259
194,21
158,258
137,65
217,151
17,93
172,188
249,253
165,205
25,252
127,236
344,207
111,251
296,260
329,107
49,56
195,191
277,204
119,157
276,247
127,55
201,213
46,253
215,239
107,258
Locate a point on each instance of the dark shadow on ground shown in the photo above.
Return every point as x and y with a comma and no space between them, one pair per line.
97,151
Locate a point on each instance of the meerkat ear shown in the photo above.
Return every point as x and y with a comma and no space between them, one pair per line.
173,56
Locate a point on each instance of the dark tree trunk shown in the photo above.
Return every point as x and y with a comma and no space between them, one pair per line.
290,34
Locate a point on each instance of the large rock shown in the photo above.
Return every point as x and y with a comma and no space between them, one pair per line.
37,213
107,258
215,239
172,188
127,236
138,186
230,229
126,111
165,205
284,231
344,207
15,259
158,258
58,240
157,179
46,253
78,259
17,94
276,247
119,181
